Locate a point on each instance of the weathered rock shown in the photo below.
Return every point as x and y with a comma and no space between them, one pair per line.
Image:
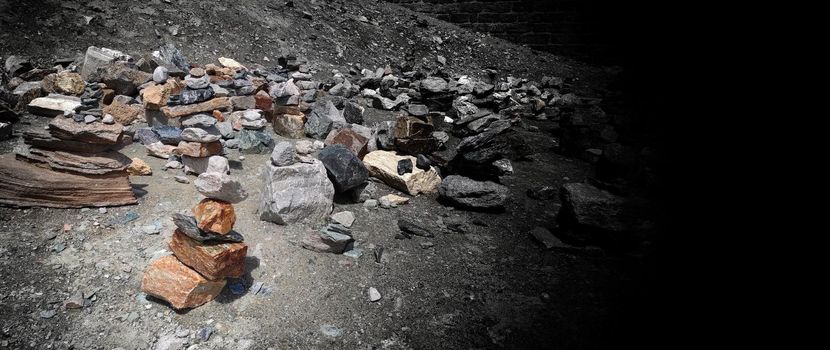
98,133
99,57
422,162
188,226
353,113
44,140
200,135
214,216
392,201
219,103
324,116
169,135
170,280
349,138
54,105
345,170
198,121
345,218
196,83
194,96
160,150
433,85
289,125
24,184
283,90
16,65
216,164
108,162
230,63
476,153
26,92
220,187
418,110
252,141
385,135
121,78
196,149
331,238
226,129
413,228
405,166
68,83
122,112
283,154
414,136
592,208
296,193
160,75
214,260
139,167
155,97
467,193
384,165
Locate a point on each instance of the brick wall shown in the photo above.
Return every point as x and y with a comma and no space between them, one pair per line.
587,29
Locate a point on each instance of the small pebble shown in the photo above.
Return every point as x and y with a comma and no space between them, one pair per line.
182,179
374,295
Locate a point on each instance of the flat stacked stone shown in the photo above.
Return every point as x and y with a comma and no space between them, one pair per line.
72,164
206,251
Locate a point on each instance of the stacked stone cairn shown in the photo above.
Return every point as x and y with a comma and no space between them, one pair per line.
206,250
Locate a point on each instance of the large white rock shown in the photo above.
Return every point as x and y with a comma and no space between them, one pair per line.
54,105
212,164
300,192
96,57
384,165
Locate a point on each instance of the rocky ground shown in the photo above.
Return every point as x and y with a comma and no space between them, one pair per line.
482,282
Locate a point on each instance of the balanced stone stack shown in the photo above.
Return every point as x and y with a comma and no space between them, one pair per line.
288,120
206,250
72,164
200,148
252,138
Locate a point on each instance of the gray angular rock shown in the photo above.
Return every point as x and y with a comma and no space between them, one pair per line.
417,110
300,192
332,238
221,187
169,135
592,208
434,85
467,193
197,83
195,96
226,130
344,168
201,135
353,112
283,154
212,164
324,116
198,121
252,141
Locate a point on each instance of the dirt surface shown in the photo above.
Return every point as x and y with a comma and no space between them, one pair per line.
489,286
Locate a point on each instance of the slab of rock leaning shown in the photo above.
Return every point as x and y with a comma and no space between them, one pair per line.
384,165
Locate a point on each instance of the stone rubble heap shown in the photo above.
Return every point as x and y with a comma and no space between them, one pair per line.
74,162
206,250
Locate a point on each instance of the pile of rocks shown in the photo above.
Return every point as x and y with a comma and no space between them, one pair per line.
75,163
206,250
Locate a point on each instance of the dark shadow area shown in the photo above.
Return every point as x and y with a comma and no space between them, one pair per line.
228,295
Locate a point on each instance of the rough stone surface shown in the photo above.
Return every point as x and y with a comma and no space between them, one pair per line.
220,187
296,193
283,154
200,135
324,116
98,133
199,165
344,168
122,112
349,138
139,167
289,125
53,105
197,149
188,226
592,207
155,97
214,216
384,165
108,162
219,103
252,141
353,113
214,260
467,193
345,218
170,280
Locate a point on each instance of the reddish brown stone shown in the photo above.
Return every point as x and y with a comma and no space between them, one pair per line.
215,216
353,141
263,101
155,97
221,103
218,115
122,112
214,260
278,110
24,184
169,279
198,150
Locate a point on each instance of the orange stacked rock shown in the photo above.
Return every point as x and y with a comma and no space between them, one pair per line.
206,251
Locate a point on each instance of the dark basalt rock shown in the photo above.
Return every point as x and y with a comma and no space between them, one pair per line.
195,96
467,193
188,226
404,166
408,227
345,170
168,135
